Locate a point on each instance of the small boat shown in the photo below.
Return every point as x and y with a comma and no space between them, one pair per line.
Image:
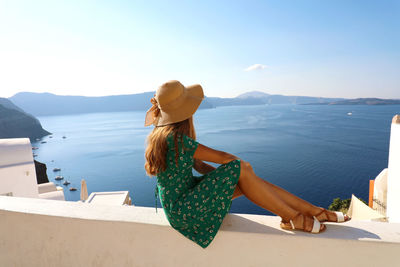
56,169
349,113
43,142
50,136
34,148
72,189
34,155
59,177
66,183
64,137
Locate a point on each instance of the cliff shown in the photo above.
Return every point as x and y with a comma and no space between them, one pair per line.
15,123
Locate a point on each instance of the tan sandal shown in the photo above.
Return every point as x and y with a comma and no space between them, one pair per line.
316,225
340,217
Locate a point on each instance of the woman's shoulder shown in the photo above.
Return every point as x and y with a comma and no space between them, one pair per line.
170,142
180,137
187,141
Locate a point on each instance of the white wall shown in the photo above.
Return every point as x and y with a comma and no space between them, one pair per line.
17,170
393,182
380,192
36,232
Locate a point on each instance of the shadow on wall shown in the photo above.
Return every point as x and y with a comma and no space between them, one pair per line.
339,231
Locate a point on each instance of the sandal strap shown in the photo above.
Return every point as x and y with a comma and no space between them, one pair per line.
292,224
316,226
340,216
322,211
291,221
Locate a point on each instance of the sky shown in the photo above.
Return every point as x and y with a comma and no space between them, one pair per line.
341,48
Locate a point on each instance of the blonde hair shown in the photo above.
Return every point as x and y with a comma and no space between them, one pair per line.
156,150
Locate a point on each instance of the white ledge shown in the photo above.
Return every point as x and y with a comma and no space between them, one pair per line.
42,232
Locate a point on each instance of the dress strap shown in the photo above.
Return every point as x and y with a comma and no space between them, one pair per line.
155,195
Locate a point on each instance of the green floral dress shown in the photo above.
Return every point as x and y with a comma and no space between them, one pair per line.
195,205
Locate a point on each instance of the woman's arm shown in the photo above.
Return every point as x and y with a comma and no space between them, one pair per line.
208,154
202,167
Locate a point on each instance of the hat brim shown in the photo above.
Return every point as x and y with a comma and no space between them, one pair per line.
194,97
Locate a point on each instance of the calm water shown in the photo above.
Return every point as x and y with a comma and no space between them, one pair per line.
315,152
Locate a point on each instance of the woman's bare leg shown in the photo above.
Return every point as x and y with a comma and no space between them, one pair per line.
304,206
295,202
292,200
262,194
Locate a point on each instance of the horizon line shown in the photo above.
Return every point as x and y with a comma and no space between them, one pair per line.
205,95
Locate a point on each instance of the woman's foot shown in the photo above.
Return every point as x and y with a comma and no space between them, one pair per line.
303,223
325,215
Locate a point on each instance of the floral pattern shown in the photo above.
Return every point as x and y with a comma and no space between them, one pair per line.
195,205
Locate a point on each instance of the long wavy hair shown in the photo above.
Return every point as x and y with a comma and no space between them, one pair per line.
156,150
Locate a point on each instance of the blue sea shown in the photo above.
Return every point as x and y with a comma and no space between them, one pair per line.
316,152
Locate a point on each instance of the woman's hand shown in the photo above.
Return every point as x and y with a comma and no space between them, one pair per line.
202,167
208,154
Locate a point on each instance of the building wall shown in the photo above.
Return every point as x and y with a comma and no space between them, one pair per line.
17,170
37,232
393,182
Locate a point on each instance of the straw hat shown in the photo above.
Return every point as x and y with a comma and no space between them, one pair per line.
173,102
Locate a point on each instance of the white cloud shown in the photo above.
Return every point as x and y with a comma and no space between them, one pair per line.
256,67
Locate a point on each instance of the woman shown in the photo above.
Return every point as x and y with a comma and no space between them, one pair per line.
196,206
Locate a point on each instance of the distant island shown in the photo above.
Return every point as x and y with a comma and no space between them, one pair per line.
361,101
46,104
15,123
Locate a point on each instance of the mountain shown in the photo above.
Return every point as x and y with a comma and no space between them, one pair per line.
45,104
219,101
42,104
10,105
256,94
15,123
283,99
261,98
363,101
